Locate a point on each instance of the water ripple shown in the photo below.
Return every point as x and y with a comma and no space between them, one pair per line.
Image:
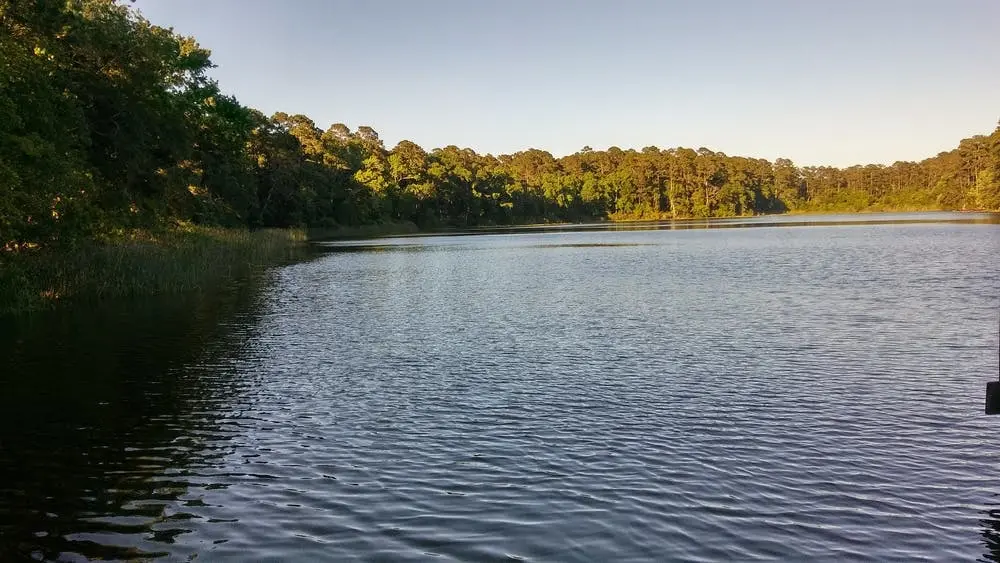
792,394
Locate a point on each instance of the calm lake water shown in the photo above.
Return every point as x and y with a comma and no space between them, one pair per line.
806,389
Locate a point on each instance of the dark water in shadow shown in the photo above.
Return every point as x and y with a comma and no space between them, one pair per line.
804,220
797,393
106,412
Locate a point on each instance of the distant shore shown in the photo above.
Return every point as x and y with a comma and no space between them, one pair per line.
192,258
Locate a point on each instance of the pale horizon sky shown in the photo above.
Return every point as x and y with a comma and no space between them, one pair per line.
819,82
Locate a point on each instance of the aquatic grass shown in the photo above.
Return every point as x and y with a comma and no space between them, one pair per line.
136,263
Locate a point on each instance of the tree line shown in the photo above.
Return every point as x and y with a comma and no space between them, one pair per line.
110,123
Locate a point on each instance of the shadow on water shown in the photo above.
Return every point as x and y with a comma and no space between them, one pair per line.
817,220
991,532
413,242
101,419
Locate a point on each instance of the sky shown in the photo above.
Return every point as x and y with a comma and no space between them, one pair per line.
825,82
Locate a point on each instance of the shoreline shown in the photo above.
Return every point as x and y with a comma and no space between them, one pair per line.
176,260
188,258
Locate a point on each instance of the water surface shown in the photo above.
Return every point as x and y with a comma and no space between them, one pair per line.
786,391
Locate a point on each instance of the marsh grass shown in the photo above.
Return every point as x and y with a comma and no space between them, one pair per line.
136,263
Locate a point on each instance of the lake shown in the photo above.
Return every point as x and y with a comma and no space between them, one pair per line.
797,388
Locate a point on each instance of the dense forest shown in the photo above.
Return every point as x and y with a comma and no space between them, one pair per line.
110,123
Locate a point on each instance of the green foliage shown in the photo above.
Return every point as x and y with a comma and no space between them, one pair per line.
108,122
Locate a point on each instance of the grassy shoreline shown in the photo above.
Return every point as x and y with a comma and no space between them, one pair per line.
137,263
181,259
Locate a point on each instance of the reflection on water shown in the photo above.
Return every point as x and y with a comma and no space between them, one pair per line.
695,394
805,220
453,239
103,421
991,533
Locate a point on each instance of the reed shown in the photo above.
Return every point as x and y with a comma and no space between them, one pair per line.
136,263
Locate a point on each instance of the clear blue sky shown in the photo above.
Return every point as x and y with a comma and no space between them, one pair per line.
821,82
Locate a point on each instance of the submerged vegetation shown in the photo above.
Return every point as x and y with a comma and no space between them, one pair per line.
110,125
